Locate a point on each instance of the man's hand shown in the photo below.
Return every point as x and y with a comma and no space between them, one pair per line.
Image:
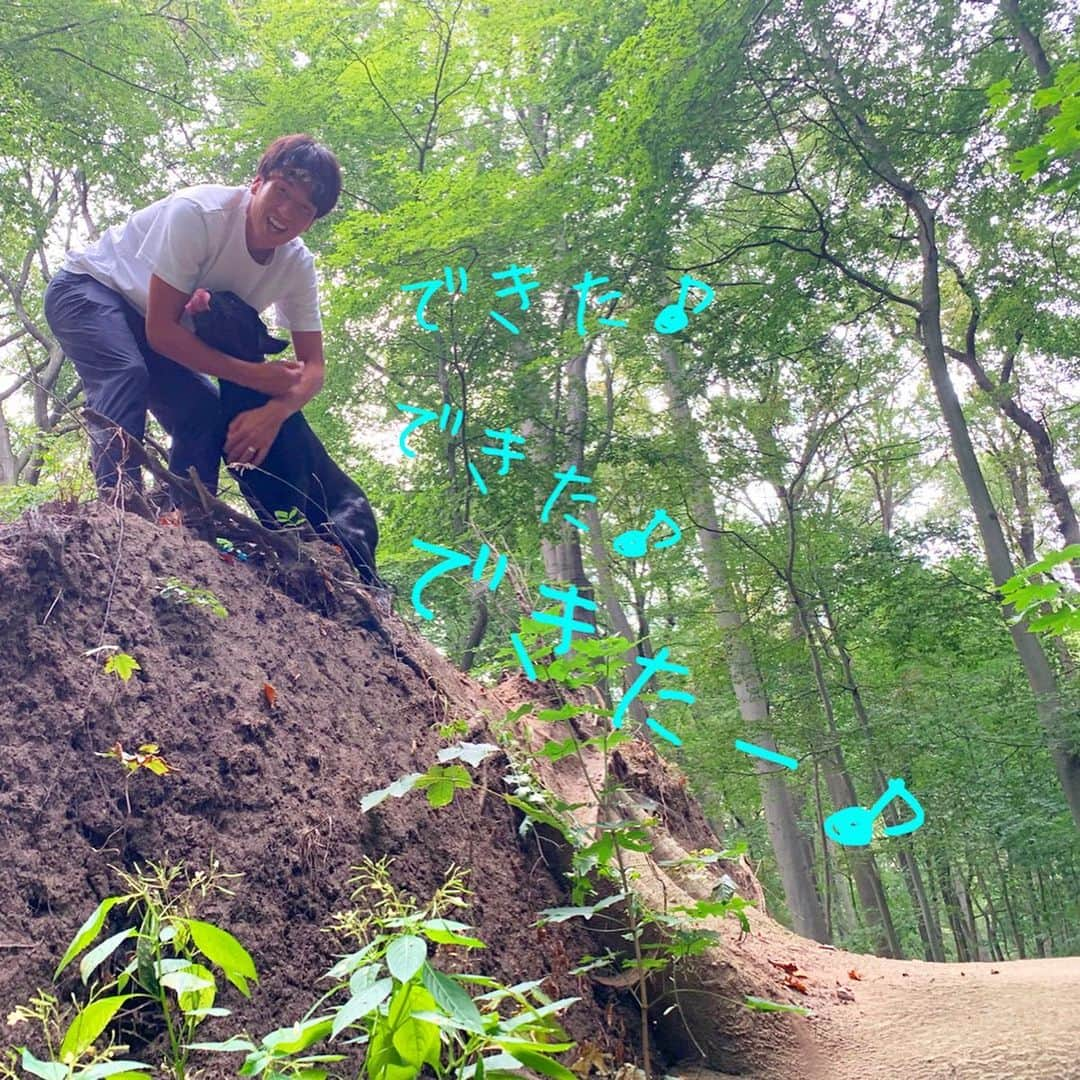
275,378
252,433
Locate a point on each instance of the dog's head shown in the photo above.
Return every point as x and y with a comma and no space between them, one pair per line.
226,322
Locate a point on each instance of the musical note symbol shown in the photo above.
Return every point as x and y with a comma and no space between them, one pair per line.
634,543
673,318
854,827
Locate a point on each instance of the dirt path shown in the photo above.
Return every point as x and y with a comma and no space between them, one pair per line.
911,1020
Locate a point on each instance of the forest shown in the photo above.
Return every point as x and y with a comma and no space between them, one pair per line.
745,332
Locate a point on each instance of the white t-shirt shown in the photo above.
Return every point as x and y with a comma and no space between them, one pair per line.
194,239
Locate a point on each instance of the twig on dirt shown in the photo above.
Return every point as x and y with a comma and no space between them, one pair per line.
51,606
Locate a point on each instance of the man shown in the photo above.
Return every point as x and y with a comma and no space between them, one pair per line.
116,309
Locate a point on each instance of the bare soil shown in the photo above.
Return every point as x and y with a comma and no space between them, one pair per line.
271,790
1018,1020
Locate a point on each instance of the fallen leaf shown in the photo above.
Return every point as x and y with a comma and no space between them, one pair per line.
790,967
795,984
853,974
995,971
590,1057
270,694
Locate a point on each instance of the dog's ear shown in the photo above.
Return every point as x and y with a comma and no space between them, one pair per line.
269,345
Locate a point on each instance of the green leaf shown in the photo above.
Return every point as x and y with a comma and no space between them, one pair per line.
405,956
997,94
761,1005
452,998
223,950
89,1023
447,937
88,931
1029,161
556,751
561,914
471,753
186,982
195,1001
347,964
440,793
292,1040
539,1063
402,786
496,1066
531,1015
1047,95
47,1070
1055,622
99,953
363,977
417,1041
118,1070
230,1046
123,665
366,1001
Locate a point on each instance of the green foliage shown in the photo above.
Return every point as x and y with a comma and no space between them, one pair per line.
1056,155
1033,589
290,519
122,665
412,1016
75,1050
182,593
158,959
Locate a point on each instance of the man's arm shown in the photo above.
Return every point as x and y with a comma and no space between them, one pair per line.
257,428
167,336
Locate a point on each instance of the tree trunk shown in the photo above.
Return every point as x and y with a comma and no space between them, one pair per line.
962,936
478,628
7,455
1040,676
875,904
1014,923
967,916
928,925
796,871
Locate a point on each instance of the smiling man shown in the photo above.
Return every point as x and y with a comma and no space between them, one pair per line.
117,310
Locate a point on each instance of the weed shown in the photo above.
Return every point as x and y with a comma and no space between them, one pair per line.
164,966
147,757
182,593
413,1017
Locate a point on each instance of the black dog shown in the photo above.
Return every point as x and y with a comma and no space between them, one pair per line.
297,472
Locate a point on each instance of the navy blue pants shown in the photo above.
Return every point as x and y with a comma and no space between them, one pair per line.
105,338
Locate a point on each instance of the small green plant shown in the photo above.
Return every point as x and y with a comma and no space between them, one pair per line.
182,593
122,665
148,757
290,519
414,1018
169,954
73,1051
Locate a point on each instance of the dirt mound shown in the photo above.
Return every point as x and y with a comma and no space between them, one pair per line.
272,790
